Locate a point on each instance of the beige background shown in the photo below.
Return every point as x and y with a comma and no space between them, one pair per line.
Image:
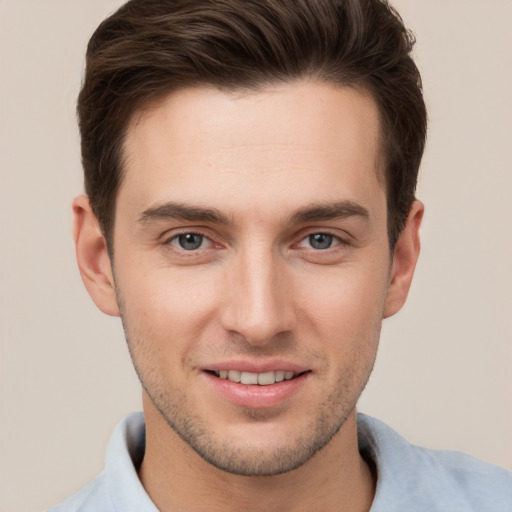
443,377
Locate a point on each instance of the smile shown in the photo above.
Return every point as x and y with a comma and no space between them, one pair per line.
260,379
247,387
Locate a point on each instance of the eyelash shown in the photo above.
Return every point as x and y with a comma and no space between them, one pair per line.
176,237
336,241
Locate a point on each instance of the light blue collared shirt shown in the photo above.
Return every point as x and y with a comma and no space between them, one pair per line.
409,478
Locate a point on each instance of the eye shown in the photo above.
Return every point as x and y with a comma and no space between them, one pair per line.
189,241
319,241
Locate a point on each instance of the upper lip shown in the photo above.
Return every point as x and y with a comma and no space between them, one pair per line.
257,366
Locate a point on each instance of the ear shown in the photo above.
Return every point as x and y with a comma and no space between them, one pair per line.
405,256
92,257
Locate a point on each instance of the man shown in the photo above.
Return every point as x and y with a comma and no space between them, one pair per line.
250,171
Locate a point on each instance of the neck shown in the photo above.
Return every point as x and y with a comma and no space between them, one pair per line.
177,478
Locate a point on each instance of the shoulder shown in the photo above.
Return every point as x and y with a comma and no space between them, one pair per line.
117,487
91,498
412,476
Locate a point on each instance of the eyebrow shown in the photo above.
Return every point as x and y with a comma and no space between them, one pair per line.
329,211
179,211
310,213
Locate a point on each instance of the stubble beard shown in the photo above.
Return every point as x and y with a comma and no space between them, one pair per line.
243,458
247,460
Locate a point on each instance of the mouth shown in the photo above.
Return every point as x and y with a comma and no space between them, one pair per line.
256,379
257,385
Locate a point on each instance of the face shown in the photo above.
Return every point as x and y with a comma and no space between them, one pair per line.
251,245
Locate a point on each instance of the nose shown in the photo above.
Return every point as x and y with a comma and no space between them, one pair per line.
259,303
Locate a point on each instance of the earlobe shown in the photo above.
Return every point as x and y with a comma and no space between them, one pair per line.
92,257
405,256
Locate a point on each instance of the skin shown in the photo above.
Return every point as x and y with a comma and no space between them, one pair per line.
255,175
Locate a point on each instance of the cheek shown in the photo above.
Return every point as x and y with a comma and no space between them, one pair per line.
345,298
342,313
168,308
163,291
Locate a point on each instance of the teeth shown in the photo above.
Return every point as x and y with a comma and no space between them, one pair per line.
233,375
249,378
264,379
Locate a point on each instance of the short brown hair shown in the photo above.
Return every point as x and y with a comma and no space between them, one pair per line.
149,48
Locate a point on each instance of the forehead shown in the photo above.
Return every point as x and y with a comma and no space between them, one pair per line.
292,143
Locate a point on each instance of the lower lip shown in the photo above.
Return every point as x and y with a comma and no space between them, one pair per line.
254,396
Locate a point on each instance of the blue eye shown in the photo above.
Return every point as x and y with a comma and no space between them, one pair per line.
321,240
189,241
